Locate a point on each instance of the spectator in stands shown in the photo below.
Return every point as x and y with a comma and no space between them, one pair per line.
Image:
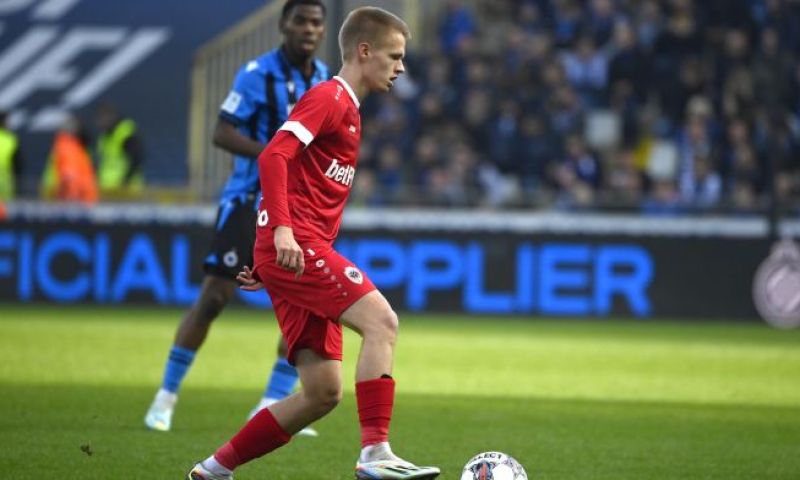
455,183
663,199
746,183
784,16
120,153
625,181
565,111
677,91
628,65
389,171
737,136
672,73
476,115
427,156
456,25
567,15
534,149
649,21
781,146
578,174
694,140
586,69
772,70
69,175
602,15
703,188
503,130
365,190
531,17
10,160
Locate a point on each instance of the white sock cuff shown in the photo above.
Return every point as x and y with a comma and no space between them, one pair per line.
212,465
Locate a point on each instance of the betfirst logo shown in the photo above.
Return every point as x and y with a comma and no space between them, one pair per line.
343,174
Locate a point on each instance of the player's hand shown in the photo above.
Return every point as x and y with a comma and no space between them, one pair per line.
245,277
290,255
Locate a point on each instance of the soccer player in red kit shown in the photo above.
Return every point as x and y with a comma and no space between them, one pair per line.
306,173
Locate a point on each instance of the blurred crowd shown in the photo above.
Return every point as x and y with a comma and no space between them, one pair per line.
663,107
77,169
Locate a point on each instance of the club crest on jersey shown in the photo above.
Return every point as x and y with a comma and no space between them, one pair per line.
354,275
341,173
230,259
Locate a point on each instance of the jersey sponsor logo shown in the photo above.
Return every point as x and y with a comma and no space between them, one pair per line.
232,102
343,174
354,275
263,218
352,129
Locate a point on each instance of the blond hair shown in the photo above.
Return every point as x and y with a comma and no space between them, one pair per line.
369,25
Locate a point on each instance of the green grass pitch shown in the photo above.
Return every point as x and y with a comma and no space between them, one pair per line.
593,399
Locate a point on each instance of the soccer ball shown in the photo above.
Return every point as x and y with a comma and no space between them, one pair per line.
493,466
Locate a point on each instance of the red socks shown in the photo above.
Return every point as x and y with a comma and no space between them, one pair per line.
375,400
261,435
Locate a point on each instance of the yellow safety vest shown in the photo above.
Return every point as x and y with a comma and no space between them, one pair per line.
8,145
114,160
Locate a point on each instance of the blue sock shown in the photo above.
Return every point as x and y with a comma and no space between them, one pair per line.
178,363
282,381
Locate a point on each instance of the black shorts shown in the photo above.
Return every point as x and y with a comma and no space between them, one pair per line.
234,237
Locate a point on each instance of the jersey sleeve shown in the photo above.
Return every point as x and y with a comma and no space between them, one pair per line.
246,93
317,113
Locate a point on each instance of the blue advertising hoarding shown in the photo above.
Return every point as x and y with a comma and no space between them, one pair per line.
546,273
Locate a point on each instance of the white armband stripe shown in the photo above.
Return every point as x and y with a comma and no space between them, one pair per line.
299,131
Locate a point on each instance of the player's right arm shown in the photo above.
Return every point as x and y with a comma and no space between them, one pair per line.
273,171
241,104
228,137
315,114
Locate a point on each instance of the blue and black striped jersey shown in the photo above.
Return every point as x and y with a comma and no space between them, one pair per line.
264,92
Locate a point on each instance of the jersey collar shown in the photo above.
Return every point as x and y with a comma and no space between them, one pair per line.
349,90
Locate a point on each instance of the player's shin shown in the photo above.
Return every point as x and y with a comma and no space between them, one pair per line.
375,400
261,435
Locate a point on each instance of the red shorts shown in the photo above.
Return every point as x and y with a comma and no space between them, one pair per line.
308,308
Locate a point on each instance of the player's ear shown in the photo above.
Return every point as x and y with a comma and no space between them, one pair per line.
363,50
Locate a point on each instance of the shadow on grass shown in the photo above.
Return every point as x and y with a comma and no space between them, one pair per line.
92,432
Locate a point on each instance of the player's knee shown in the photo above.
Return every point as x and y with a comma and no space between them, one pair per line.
324,398
211,305
386,325
283,348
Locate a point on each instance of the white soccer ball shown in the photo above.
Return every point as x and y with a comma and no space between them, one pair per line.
493,466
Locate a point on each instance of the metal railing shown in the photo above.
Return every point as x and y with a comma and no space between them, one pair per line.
216,63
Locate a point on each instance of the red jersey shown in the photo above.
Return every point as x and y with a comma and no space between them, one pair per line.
310,196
